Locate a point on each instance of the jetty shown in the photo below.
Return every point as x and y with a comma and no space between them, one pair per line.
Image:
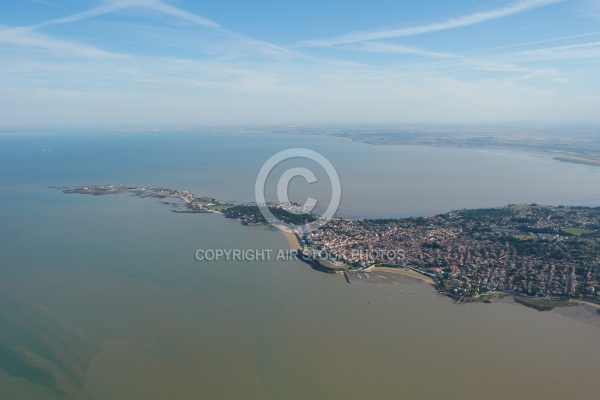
347,277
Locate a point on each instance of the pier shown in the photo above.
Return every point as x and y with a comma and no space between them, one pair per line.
347,277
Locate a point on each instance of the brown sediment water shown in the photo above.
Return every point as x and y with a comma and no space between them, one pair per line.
143,320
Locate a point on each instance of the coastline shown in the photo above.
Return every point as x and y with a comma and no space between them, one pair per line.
292,240
498,142
587,302
203,205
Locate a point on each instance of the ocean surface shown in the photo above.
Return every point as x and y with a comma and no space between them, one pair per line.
101,297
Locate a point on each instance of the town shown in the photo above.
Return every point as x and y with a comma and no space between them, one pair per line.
521,249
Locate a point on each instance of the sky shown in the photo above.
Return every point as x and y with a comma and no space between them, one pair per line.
177,63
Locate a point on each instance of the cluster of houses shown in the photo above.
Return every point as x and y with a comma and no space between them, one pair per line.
524,250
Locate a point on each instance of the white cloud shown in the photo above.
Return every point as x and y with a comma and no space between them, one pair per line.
252,81
95,12
458,62
459,22
18,37
377,47
241,44
146,91
178,13
556,39
574,52
588,8
117,5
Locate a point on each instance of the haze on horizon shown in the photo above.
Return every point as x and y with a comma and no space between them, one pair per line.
162,62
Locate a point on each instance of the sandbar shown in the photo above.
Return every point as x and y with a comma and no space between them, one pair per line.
405,272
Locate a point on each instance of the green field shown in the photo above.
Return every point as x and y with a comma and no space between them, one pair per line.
213,204
576,231
527,206
219,207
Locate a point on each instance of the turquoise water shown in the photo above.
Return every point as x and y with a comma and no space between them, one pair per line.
100,296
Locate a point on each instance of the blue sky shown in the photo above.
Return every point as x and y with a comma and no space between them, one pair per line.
180,62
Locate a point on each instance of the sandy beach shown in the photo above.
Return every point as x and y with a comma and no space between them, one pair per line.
293,240
402,271
587,303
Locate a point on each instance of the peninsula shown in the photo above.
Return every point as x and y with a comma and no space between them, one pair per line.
548,254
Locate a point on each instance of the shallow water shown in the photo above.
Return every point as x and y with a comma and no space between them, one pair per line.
100,296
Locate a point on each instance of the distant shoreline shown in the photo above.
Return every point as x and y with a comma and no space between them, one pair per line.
582,147
580,160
